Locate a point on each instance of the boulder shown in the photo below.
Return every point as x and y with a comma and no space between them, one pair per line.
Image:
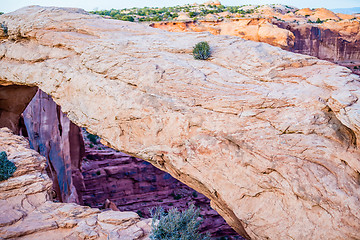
270,136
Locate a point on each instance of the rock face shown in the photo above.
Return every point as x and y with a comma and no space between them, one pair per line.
271,137
336,39
27,213
260,30
130,183
332,41
54,136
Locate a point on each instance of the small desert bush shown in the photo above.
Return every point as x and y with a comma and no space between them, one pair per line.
176,225
201,51
7,168
93,138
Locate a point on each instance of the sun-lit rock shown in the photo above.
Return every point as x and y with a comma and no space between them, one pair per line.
271,137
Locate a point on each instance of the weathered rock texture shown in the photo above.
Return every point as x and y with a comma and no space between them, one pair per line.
336,39
332,41
130,183
27,213
54,136
260,30
268,135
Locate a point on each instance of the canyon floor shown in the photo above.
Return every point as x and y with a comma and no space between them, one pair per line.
132,184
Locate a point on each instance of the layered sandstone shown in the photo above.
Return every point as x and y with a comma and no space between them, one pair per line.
27,213
132,184
271,137
335,38
331,41
260,30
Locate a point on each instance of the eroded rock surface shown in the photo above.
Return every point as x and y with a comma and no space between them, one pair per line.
118,181
271,137
260,30
130,183
331,41
319,32
27,213
54,136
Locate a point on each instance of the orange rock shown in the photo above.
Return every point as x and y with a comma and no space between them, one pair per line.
345,16
304,12
323,14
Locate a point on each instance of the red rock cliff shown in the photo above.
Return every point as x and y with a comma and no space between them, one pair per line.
54,136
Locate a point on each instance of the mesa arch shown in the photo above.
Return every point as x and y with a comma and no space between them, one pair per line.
271,137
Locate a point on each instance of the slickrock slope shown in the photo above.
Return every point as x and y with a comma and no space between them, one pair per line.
27,213
260,30
319,33
331,41
271,137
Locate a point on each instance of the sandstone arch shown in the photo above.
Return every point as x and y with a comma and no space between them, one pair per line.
271,137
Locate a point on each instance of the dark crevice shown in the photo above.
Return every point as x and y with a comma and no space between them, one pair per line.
343,133
58,114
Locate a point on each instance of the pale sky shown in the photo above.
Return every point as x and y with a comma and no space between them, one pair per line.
12,5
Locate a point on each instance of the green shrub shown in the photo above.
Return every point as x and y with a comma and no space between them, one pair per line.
201,51
93,138
7,168
140,213
127,18
176,225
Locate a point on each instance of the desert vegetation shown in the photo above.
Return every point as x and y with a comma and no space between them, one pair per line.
201,51
175,224
194,11
7,168
204,12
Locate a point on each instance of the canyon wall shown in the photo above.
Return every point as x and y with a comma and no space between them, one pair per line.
54,136
26,211
332,41
335,41
135,185
268,135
